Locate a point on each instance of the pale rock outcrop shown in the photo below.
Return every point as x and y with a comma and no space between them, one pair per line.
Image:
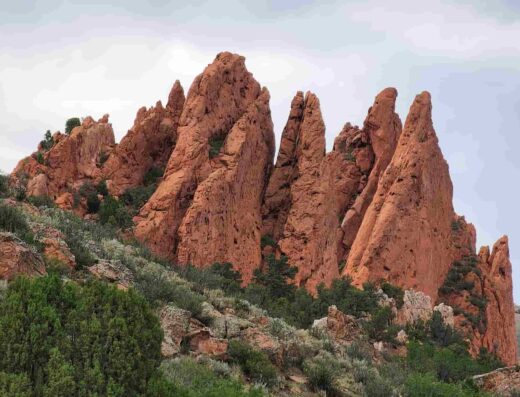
417,306
405,235
339,326
207,208
113,272
446,313
148,144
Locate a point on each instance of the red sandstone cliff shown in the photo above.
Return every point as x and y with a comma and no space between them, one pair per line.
207,208
310,191
405,235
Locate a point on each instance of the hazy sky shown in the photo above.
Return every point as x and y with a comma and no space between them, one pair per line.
60,59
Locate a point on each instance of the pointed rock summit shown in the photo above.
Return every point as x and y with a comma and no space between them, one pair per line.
212,189
147,145
405,235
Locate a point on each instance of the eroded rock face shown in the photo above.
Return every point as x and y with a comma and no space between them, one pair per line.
149,143
16,258
485,307
414,194
73,159
309,191
497,288
207,208
383,127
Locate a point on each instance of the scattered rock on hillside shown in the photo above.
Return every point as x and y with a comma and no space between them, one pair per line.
16,258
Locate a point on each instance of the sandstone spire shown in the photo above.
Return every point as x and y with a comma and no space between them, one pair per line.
277,200
383,127
405,235
223,223
149,143
224,105
497,288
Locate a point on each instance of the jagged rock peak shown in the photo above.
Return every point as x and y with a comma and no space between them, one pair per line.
216,133
383,128
302,145
147,145
497,289
414,194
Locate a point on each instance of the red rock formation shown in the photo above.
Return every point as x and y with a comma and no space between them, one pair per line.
207,208
72,160
309,192
485,306
497,288
383,127
277,201
405,235
149,143
17,258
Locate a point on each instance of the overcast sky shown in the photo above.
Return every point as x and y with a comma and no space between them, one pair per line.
60,59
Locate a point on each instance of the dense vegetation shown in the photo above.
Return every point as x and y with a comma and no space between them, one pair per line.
63,339
72,123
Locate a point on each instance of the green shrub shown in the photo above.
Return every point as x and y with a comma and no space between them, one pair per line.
136,197
425,385
184,377
376,386
215,145
20,192
39,157
156,288
443,334
4,185
71,124
267,240
86,188
12,220
41,201
348,299
254,363
102,188
395,292
360,351
48,141
14,385
93,203
322,372
53,265
113,212
153,175
102,157
449,364
65,337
